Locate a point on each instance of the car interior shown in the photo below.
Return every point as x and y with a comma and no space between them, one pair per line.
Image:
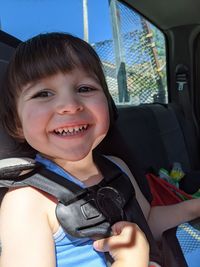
156,134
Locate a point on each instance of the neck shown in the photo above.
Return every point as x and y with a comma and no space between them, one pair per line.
84,170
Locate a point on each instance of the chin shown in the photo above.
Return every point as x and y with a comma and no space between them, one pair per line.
73,156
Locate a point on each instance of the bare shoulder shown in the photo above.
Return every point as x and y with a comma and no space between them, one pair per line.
25,196
21,202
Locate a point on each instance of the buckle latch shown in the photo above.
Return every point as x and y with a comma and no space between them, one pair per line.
181,80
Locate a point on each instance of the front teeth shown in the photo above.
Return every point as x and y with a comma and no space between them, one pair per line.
70,130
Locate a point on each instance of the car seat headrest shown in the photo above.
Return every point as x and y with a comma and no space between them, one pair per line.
8,146
6,142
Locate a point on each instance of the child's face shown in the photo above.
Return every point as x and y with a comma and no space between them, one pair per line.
64,116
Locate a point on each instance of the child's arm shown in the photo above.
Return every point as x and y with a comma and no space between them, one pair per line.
25,233
163,217
128,246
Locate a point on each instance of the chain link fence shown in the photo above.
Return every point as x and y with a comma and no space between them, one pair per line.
136,74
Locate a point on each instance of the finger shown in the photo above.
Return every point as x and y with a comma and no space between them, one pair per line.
104,245
101,245
118,227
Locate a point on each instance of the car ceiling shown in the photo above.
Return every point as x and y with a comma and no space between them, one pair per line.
168,14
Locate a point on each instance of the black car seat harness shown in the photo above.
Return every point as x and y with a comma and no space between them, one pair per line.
83,212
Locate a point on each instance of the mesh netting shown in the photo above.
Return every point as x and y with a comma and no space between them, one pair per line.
189,238
138,76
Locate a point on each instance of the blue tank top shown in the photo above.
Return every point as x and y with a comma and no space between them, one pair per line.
71,251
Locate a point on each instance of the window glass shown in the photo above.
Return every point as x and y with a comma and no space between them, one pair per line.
132,50
136,62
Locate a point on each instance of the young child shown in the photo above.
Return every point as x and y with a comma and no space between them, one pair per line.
56,99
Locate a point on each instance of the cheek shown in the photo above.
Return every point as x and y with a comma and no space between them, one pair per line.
102,113
32,118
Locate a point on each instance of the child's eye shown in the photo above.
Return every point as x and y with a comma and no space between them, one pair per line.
85,89
42,94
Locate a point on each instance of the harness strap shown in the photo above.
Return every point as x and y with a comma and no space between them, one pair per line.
91,211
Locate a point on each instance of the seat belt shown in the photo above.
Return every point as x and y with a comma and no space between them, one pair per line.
184,99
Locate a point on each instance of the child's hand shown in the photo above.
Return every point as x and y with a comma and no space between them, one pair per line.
128,246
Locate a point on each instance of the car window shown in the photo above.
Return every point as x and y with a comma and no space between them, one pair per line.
132,50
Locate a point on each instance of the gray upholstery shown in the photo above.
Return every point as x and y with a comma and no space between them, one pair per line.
153,136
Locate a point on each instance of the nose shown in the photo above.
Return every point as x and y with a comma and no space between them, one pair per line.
68,104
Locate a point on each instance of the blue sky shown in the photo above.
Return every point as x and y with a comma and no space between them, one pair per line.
25,18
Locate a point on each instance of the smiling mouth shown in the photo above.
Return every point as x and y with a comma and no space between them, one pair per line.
69,131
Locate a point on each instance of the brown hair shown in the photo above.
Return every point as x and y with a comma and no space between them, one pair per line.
42,56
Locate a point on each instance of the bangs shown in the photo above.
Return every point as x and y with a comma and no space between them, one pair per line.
40,57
